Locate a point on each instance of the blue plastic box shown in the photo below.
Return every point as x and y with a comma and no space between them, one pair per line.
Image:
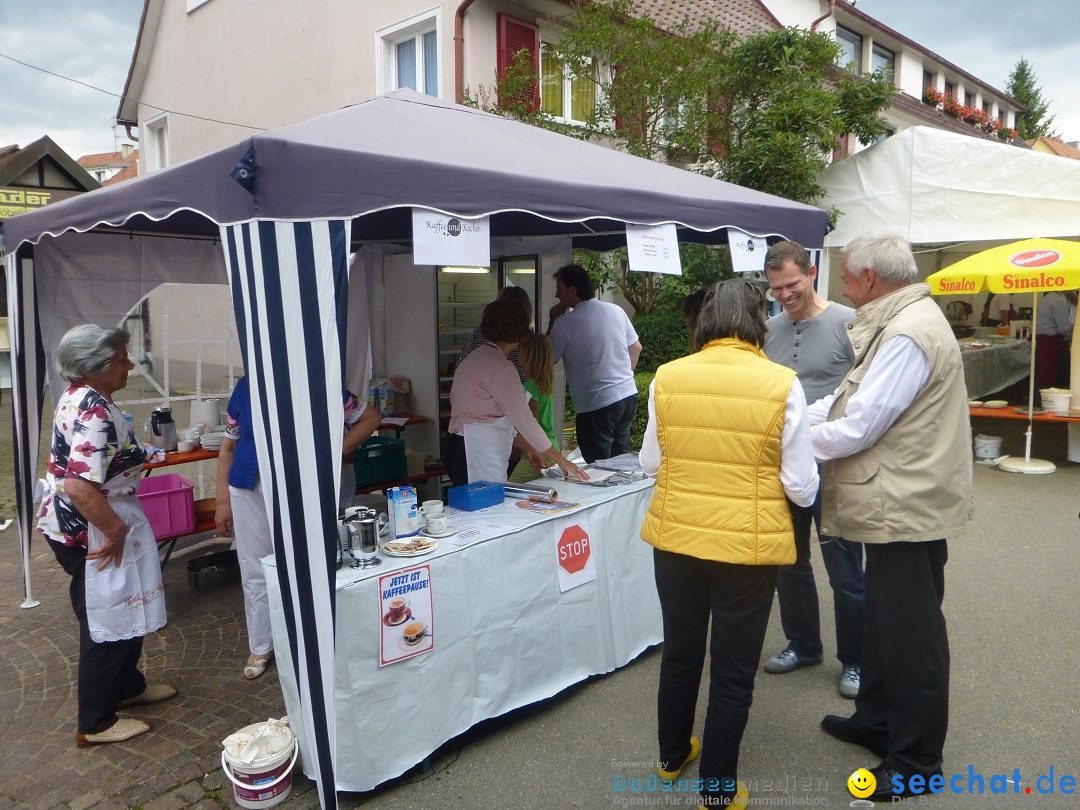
476,495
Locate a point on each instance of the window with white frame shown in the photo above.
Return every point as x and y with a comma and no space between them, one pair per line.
156,146
850,55
410,55
563,94
884,60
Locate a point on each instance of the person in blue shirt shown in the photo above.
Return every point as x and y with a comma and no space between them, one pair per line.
241,511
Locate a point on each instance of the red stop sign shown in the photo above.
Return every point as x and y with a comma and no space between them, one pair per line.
573,548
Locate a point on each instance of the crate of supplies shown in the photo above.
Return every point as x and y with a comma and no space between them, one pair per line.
169,503
475,495
379,459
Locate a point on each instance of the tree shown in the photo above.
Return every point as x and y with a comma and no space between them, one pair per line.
764,112
1032,122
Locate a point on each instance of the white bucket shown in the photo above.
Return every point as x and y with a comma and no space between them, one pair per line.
987,446
264,779
1056,400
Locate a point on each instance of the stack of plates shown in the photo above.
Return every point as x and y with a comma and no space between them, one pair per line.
212,440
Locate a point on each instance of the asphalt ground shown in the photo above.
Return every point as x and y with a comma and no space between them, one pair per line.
1011,604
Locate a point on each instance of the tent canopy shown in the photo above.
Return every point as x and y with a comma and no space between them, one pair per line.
311,193
377,159
933,186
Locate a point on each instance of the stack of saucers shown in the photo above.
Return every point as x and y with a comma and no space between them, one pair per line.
212,440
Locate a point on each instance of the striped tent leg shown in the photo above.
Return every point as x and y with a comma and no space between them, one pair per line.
27,397
289,283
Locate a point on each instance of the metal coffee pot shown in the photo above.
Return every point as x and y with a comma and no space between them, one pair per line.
362,529
162,428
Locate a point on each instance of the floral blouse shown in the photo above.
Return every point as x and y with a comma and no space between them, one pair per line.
92,441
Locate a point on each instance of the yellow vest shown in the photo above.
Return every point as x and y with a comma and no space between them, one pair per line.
719,418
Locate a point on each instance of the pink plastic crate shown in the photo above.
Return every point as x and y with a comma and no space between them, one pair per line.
169,503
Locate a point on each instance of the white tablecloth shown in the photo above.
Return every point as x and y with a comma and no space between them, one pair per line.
997,366
504,635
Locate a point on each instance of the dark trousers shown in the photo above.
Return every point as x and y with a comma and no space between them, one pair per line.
453,458
605,432
108,671
738,598
903,702
797,593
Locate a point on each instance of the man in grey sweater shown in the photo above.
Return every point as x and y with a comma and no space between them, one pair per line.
810,337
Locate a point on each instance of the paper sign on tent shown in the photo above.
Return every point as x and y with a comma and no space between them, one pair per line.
653,249
441,239
747,252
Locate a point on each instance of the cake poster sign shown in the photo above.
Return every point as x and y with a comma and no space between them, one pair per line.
747,252
406,614
443,239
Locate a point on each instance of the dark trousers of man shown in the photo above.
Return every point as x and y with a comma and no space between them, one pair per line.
903,701
108,671
739,599
605,432
797,593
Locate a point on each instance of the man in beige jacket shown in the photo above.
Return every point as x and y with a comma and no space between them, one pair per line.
895,440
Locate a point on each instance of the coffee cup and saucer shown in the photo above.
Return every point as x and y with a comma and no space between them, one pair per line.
398,612
436,524
413,633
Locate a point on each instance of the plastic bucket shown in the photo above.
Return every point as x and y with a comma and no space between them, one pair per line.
1056,400
987,446
267,779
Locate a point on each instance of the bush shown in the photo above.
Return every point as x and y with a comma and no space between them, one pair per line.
663,336
641,418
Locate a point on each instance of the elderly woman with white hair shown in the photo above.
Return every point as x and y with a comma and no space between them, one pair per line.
99,534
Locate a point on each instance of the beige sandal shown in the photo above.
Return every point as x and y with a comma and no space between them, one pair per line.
256,666
153,693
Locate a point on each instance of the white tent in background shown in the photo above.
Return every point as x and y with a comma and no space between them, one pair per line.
935,187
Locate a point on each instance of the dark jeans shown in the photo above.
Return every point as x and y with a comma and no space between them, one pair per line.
797,593
453,458
903,702
108,671
605,432
738,598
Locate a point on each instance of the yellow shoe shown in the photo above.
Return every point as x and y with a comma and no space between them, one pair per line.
742,798
671,776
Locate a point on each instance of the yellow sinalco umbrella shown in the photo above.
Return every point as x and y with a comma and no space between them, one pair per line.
1034,266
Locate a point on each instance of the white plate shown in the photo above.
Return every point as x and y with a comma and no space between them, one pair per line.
996,403
449,531
975,403
418,553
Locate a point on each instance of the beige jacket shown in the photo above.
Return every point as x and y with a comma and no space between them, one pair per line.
914,483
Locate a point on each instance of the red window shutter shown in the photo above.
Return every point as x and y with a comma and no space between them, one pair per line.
514,35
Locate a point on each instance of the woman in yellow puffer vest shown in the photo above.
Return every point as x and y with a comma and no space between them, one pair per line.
728,443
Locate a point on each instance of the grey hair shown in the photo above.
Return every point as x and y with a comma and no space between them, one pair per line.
88,349
732,308
888,254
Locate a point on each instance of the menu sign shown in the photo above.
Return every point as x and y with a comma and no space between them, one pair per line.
442,239
653,249
406,614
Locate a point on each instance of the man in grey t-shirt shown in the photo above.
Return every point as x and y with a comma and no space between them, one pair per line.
810,336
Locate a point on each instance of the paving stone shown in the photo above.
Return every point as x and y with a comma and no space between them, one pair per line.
87,800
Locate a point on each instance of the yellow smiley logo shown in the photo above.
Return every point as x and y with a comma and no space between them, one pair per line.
861,783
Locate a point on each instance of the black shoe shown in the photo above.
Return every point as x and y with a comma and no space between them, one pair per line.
886,790
849,730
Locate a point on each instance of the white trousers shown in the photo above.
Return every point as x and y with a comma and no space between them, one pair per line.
253,542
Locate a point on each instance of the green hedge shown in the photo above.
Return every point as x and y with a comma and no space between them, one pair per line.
641,418
664,337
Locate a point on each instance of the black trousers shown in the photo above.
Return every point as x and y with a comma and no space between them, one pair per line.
108,671
605,432
738,598
903,702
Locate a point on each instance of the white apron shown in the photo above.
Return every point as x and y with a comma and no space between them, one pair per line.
129,601
487,449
